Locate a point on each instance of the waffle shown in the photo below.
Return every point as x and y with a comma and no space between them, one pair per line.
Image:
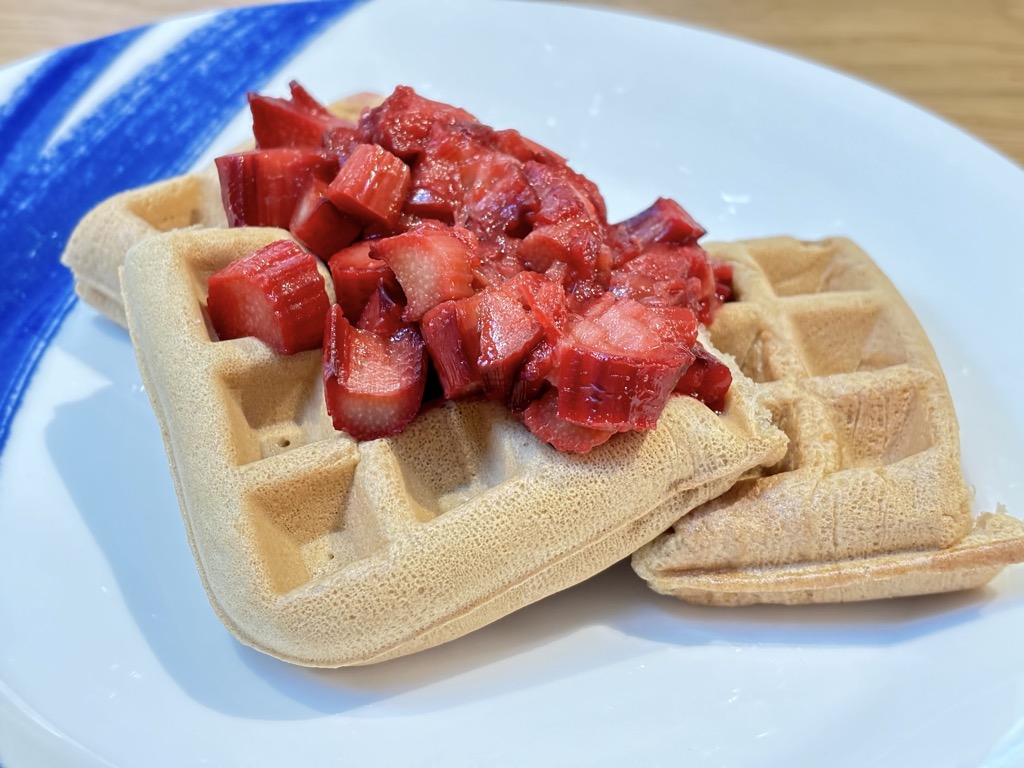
869,500
325,551
98,244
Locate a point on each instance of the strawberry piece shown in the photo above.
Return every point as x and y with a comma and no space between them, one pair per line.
276,294
451,331
320,226
299,121
542,419
508,333
356,276
371,185
262,187
707,379
432,264
614,370
373,384
402,123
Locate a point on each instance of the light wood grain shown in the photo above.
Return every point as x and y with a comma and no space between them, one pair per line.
962,59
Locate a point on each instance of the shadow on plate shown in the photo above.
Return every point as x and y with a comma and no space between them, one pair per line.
109,453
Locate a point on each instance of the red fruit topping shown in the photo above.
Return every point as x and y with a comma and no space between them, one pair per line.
513,143
723,282
568,224
373,384
542,419
479,248
670,274
320,226
296,122
371,185
497,197
432,264
276,294
356,276
544,298
534,376
451,331
382,315
340,140
508,334
437,189
707,379
665,221
401,124
614,370
261,187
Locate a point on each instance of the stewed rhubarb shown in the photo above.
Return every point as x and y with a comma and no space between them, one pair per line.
472,251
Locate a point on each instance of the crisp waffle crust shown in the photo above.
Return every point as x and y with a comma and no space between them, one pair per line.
869,500
325,551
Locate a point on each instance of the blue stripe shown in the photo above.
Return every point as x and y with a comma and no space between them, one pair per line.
155,126
48,94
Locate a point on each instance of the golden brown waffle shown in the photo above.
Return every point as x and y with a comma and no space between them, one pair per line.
325,551
97,246
869,500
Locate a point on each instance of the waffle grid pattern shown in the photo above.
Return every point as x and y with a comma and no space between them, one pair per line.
327,551
873,468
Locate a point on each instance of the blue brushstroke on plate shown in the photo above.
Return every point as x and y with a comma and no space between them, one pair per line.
154,126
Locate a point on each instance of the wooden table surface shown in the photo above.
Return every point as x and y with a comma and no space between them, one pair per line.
962,59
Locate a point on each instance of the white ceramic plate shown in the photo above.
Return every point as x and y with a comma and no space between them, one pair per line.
109,652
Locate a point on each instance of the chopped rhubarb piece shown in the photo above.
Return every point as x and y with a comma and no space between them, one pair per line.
508,334
260,188
675,325
513,143
563,193
451,331
382,315
670,274
542,419
568,225
495,261
497,197
432,264
665,221
401,124
723,281
534,376
339,141
356,276
614,369
276,294
371,185
373,384
543,297
707,379
436,189
320,226
296,122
